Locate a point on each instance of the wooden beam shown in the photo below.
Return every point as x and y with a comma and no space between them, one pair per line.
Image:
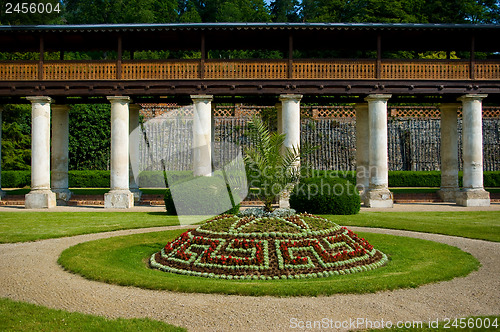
203,55
472,65
41,59
119,58
290,55
379,56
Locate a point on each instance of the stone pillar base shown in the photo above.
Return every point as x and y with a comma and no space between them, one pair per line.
448,194
473,197
380,198
137,195
118,199
284,200
62,196
2,194
40,199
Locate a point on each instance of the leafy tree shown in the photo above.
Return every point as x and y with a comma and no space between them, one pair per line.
89,137
271,167
16,137
17,17
242,11
285,11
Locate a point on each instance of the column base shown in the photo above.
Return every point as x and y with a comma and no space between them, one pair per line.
448,194
118,199
380,198
284,200
62,196
137,195
473,197
2,194
40,199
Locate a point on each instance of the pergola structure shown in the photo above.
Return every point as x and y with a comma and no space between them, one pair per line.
352,63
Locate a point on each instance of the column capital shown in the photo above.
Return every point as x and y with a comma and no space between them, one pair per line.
59,107
202,98
292,97
119,99
378,97
40,99
472,97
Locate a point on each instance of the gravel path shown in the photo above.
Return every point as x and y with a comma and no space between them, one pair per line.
29,272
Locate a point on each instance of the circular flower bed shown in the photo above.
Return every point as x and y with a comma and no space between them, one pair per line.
262,246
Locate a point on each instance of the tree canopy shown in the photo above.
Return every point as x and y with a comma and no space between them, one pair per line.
170,11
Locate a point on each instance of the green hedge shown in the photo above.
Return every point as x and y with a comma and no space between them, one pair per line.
156,179
325,195
16,179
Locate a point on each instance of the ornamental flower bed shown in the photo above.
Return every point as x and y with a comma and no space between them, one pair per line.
256,247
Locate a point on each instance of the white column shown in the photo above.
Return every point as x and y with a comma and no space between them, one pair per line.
40,196
119,196
449,152
2,193
473,193
202,135
134,141
289,124
378,194
362,149
59,154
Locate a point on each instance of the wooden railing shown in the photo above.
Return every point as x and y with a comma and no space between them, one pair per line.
246,69
78,70
250,69
18,71
324,69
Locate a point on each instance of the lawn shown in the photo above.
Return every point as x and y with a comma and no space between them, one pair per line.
484,225
18,316
124,261
32,226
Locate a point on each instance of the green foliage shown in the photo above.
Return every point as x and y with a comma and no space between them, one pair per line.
89,137
325,195
19,316
270,166
16,137
16,179
36,18
285,11
89,179
491,179
414,179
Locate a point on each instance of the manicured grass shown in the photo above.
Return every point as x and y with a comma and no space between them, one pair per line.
31,226
124,261
484,225
18,316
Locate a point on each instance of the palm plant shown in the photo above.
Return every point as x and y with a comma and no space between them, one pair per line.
271,167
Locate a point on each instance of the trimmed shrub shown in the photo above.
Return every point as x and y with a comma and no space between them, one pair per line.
414,179
159,179
325,195
89,179
491,179
16,179
203,195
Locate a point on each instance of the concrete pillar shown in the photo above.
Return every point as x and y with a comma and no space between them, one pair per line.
2,193
473,193
449,153
362,149
134,153
289,124
119,197
59,154
202,135
40,196
378,194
